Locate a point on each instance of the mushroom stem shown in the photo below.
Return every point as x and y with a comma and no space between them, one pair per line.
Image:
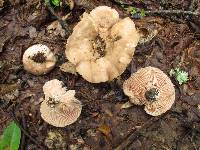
152,94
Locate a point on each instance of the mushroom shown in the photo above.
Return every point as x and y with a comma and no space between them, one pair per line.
151,87
59,108
102,45
38,59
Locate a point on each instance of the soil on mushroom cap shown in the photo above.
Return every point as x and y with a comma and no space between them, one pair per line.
39,57
99,46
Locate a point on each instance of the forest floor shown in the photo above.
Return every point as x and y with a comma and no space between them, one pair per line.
103,125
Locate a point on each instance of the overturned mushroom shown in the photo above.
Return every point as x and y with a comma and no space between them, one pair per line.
60,108
150,87
38,59
102,45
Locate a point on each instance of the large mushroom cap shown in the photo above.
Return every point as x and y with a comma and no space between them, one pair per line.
102,45
60,108
150,87
104,17
38,59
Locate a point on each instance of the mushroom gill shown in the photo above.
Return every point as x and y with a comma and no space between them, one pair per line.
60,108
151,87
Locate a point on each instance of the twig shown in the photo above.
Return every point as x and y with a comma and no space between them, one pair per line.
23,135
193,143
173,12
62,22
120,2
135,134
24,131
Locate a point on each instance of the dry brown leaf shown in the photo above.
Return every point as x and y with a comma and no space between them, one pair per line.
68,67
7,88
56,29
8,92
126,105
105,129
55,140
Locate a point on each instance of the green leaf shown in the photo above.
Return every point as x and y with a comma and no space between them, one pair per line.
131,10
142,13
56,2
10,139
180,75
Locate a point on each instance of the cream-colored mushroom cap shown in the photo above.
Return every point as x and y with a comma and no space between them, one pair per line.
38,59
102,45
60,108
151,87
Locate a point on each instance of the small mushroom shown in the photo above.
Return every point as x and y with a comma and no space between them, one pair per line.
102,45
38,59
151,87
60,108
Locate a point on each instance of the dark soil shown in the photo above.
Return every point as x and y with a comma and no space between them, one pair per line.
103,124
39,57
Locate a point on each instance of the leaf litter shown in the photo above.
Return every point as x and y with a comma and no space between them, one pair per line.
170,45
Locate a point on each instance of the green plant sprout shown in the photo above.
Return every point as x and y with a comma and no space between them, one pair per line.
180,75
56,2
142,13
133,10
10,139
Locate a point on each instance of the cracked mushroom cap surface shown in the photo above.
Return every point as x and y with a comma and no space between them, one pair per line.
60,107
151,87
102,45
38,59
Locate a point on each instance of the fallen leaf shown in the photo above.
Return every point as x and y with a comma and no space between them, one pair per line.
68,67
56,29
32,32
8,92
10,139
55,140
7,88
105,129
147,35
126,105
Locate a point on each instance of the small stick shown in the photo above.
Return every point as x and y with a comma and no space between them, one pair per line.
136,134
121,2
24,131
165,12
173,12
23,135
